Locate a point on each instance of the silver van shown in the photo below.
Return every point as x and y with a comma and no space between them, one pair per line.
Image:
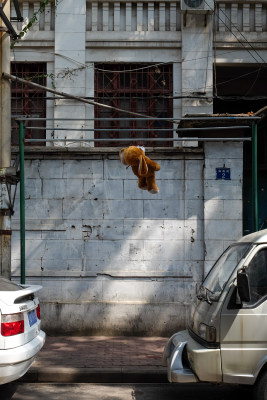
226,338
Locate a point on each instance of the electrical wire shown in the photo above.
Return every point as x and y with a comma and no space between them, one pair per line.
221,97
236,27
253,84
242,35
258,71
182,94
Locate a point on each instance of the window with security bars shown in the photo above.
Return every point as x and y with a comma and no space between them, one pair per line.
28,101
145,90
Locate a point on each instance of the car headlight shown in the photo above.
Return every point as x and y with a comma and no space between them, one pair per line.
207,332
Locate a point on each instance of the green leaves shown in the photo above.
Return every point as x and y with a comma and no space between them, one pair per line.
34,19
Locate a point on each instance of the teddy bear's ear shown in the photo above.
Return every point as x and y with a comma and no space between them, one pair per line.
143,168
121,156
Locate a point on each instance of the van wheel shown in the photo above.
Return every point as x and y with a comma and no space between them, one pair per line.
260,388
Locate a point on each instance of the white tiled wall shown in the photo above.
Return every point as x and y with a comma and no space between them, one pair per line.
100,245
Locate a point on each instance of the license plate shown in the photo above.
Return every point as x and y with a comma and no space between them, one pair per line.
32,317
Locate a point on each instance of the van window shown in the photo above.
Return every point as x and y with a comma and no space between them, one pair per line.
257,274
220,273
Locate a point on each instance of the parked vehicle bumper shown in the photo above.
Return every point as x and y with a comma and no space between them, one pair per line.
15,362
189,362
173,360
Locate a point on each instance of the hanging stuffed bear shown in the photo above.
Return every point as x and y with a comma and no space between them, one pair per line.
142,167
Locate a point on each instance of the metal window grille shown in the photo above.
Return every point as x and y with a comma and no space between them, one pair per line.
28,101
138,88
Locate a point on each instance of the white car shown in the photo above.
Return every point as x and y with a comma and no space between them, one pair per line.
21,337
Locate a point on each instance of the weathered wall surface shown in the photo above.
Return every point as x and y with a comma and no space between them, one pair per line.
223,205
113,259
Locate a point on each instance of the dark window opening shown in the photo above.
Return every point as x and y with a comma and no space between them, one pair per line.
28,101
137,88
242,89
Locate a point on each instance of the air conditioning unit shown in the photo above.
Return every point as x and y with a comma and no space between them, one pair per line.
197,6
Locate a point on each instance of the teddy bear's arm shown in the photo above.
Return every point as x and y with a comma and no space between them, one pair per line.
142,168
135,170
152,164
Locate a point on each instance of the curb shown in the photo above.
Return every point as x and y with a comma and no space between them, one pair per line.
96,375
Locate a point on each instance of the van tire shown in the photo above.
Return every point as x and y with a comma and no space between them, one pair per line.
260,387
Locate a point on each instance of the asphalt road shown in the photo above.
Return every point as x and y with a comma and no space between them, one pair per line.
86,391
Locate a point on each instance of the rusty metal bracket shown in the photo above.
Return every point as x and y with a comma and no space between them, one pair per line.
6,232
10,176
6,212
19,17
10,30
7,171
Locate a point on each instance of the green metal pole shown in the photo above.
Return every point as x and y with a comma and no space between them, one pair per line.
255,177
22,204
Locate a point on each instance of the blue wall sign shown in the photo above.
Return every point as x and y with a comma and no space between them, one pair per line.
223,173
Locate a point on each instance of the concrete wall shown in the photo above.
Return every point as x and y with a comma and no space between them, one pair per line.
223,206
113,259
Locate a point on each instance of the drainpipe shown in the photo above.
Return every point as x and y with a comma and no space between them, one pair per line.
22,204
5,148
255,224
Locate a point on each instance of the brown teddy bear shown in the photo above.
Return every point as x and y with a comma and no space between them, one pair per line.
142,167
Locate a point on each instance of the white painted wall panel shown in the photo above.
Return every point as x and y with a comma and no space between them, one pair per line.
135,249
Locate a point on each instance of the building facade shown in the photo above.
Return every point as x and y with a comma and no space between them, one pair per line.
113,259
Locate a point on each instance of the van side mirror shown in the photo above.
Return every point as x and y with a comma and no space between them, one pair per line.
243,286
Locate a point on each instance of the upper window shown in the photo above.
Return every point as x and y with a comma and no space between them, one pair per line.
28,101
144,90
141,89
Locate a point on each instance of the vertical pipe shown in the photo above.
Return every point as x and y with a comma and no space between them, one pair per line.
5,142
22,204
255,177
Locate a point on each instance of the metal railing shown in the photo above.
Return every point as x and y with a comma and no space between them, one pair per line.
134,130
22,140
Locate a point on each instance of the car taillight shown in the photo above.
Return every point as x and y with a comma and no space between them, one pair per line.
38,312
12,324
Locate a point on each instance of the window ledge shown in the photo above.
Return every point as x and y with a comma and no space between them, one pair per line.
35,152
